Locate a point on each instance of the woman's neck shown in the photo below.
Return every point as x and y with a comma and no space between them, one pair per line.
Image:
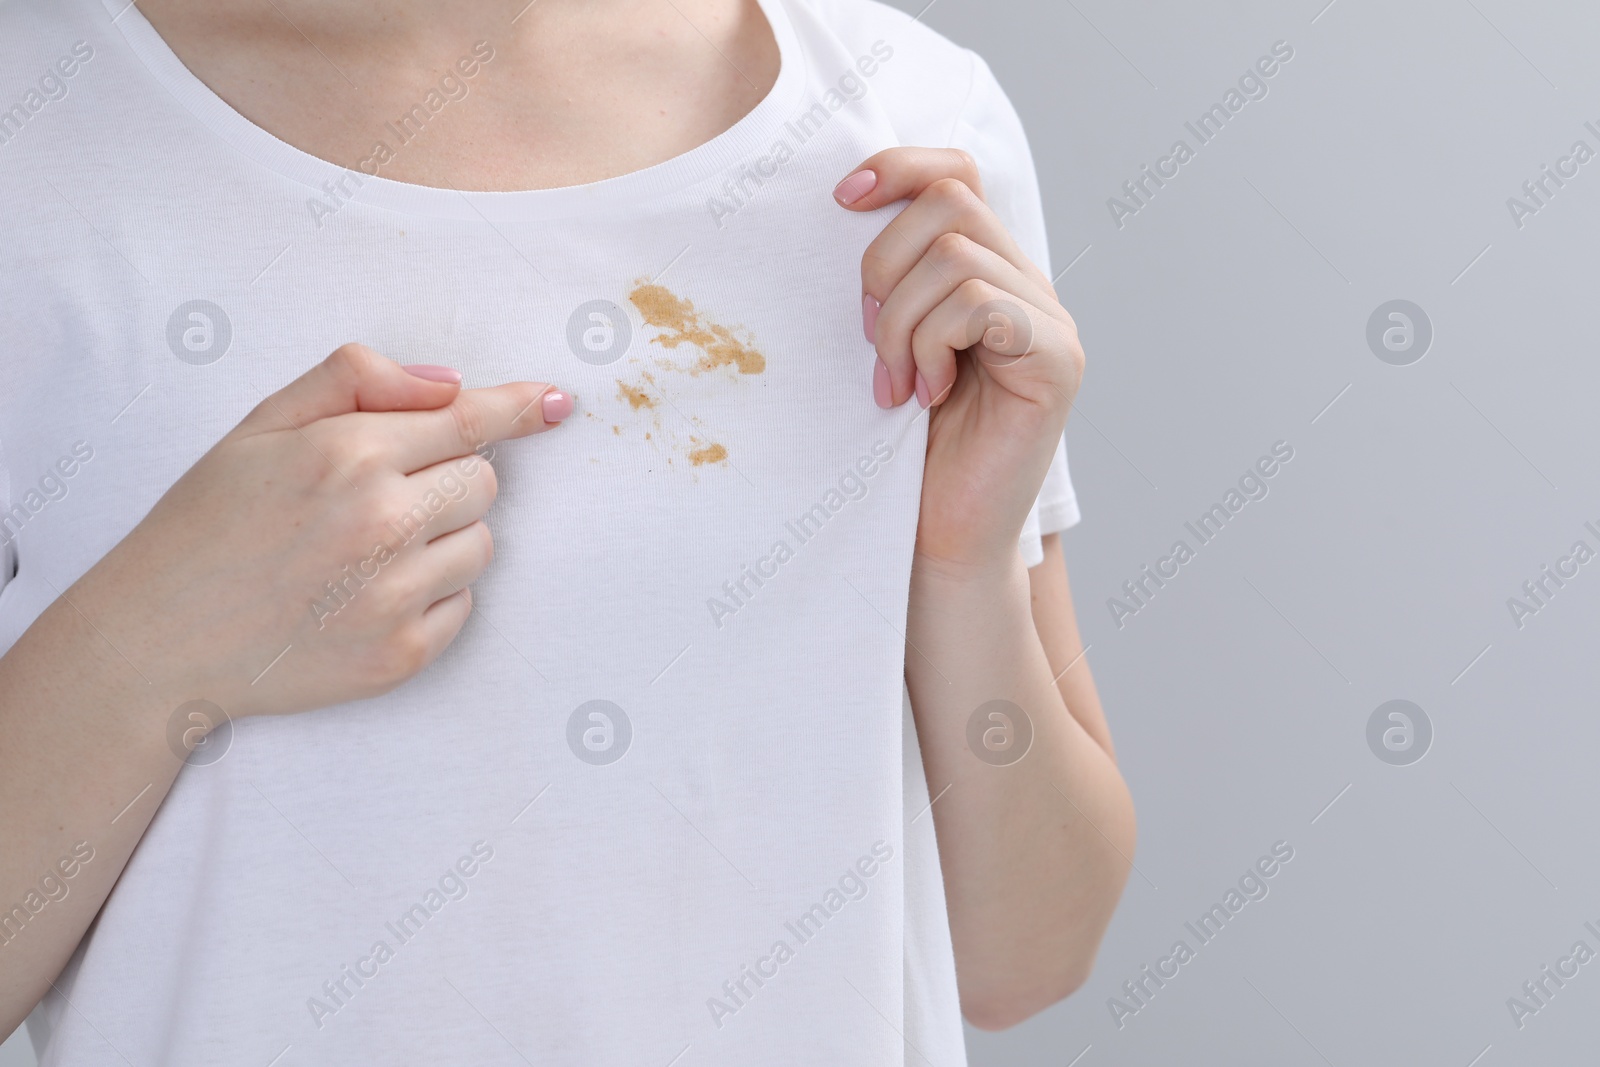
561,92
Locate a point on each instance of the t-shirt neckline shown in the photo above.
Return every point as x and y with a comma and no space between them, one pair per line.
741,141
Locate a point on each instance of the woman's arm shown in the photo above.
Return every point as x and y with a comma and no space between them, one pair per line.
83,767
209,592
1035,849
1035,853
1057,622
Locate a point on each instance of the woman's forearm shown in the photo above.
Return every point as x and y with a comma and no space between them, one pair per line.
210,590
84,764
1035,852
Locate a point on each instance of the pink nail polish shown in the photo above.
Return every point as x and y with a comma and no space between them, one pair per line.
923,397
869,317
855,187
555,406
882,391
433,373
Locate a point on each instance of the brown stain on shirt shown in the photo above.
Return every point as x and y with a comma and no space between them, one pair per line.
712,453
635,396
679,322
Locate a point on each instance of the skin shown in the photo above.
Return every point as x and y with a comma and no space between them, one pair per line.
1034,854
209,588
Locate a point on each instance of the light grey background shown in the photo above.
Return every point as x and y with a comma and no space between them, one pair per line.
1225,316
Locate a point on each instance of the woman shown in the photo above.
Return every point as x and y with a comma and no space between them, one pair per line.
642,787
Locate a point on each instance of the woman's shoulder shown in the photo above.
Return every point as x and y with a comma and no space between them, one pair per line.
939,94
922,78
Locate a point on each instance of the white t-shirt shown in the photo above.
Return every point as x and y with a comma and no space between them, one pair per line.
662,797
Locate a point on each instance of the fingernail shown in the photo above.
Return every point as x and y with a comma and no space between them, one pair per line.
922,390
556,406
869,317
433,373
855,187
882,391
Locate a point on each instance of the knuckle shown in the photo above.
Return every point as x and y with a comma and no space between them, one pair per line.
953,249
395,512
469,423
392,595
877,272
478,477
406,652
1077,360
952,194
351,360
349,452
976,292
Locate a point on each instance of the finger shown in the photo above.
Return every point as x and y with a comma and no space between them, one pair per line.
1028,352
446,497
901,172
442,621
352,378
945,208
952,260
478,417
455,561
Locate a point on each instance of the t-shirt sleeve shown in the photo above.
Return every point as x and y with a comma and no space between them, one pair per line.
988,127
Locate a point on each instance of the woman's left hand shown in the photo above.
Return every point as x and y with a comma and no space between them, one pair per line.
966,324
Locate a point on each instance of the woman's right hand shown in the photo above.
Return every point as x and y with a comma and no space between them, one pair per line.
323,550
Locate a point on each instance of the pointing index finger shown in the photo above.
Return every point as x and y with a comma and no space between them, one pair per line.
418,439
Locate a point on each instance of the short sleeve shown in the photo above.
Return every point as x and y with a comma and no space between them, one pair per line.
1055,510
989,128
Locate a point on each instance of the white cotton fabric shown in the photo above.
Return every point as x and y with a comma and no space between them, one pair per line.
533,906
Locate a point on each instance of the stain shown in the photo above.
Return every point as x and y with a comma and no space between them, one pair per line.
680,323
712,453
636,397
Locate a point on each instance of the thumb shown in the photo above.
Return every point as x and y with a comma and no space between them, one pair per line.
353,378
